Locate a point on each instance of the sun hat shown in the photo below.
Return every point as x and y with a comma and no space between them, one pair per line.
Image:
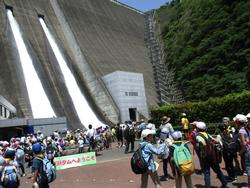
183,114
5,144
177,135
147,132
149,126
241,118
165,119
194,123
201,125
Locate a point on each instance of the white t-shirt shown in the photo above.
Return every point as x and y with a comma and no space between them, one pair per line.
81,143
90,133
166,128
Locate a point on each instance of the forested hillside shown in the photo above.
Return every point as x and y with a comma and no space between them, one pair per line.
208,44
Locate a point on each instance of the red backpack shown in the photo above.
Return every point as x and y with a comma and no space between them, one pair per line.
212,150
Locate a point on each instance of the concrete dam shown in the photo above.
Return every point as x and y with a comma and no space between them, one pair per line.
94,37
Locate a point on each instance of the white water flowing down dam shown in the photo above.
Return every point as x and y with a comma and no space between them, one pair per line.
40,105
84,112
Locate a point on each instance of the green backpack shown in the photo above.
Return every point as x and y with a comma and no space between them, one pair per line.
183,159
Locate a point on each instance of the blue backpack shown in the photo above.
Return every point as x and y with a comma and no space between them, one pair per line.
49,171
10,177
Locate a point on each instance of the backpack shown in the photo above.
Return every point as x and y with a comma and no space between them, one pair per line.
131,132
120,130
50,151
48,171
9,177
126,133
212,151
138,163
49,156
193,140
229,144
183,159
20,155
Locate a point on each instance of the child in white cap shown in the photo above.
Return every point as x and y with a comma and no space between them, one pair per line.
178,141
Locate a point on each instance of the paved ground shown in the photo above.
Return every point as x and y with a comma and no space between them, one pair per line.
113,171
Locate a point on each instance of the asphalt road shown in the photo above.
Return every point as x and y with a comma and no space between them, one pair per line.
113,171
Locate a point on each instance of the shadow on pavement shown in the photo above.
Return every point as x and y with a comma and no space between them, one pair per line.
203,186
240,185
198,171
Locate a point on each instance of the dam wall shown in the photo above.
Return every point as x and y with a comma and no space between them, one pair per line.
96,37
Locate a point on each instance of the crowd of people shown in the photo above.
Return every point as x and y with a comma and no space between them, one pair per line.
32,149
178,147
174,147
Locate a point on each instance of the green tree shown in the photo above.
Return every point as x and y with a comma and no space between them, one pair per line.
208,44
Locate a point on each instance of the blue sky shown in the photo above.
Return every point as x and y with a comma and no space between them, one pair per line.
144,5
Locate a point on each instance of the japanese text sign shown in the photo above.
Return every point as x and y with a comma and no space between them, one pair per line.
75,160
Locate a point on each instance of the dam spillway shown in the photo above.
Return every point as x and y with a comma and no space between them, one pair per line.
40,104
80,103
97,37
